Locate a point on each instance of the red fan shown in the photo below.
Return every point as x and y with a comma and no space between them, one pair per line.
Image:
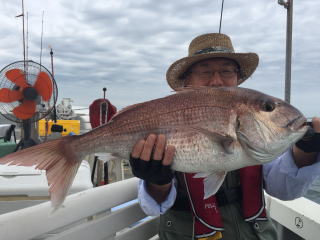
25,93
26,88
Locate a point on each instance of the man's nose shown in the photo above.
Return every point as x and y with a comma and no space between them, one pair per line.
216,80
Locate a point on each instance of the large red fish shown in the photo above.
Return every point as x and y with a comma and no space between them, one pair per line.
214,130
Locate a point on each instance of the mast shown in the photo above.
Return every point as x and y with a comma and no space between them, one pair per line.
289,6
24,44
41,43
23,37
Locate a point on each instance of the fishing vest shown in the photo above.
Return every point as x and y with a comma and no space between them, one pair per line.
208,221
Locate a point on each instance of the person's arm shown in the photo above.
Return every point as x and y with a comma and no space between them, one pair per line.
284,180
158,192
150,160
289,176
150,206
303,159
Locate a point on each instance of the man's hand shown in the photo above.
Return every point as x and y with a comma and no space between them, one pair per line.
151,159
305,150
311,141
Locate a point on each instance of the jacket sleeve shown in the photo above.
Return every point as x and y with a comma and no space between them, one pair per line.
150,206
284,180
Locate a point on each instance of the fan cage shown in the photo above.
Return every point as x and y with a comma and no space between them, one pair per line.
31,70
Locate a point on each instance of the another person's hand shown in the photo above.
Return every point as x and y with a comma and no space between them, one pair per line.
150,160
311,141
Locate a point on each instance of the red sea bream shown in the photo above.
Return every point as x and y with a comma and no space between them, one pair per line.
214,130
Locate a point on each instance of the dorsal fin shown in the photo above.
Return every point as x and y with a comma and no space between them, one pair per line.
179,91
127,108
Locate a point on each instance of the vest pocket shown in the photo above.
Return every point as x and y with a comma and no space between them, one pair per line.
174,223
265,229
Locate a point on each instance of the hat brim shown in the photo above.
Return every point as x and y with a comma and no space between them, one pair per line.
248,63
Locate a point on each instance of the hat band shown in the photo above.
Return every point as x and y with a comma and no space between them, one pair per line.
213,49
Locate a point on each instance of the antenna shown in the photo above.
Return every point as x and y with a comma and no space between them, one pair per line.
27,46
104,92
221,15
52,72
27,37
51,53
23,37
41,40
24,43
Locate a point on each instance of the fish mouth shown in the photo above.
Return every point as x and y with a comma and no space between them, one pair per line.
297,123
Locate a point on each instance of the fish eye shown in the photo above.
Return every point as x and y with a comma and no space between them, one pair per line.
268,106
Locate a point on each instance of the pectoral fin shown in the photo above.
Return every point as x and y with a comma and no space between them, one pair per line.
227,142
211,182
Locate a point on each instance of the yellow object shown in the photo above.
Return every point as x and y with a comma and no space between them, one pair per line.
216,236
68,126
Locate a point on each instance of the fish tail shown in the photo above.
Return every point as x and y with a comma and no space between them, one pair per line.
61,160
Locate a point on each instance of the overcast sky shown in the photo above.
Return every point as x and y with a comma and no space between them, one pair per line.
127,45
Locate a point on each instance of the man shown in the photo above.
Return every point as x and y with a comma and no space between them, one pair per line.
213,62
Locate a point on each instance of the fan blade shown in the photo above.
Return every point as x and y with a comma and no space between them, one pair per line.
17,76
26,110
7,95
44,86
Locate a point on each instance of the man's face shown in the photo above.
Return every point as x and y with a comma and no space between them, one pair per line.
215,72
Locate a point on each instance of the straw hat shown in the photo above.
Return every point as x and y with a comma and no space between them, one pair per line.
207,46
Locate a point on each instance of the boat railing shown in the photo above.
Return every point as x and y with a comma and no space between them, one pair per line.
112,212
107,212
297,219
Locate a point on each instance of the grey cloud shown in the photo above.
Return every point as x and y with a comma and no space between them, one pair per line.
128,45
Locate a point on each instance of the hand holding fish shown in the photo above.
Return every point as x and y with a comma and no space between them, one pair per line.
150,160
311,141
306,149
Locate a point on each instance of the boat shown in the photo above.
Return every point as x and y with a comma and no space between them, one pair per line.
110,211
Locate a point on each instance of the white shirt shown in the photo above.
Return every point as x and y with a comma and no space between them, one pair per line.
282,178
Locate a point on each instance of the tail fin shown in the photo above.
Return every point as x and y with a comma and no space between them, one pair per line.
60,160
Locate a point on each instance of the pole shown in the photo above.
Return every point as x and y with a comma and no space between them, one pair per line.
289,6
54,97
27,38
41,40
24,45
288,51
